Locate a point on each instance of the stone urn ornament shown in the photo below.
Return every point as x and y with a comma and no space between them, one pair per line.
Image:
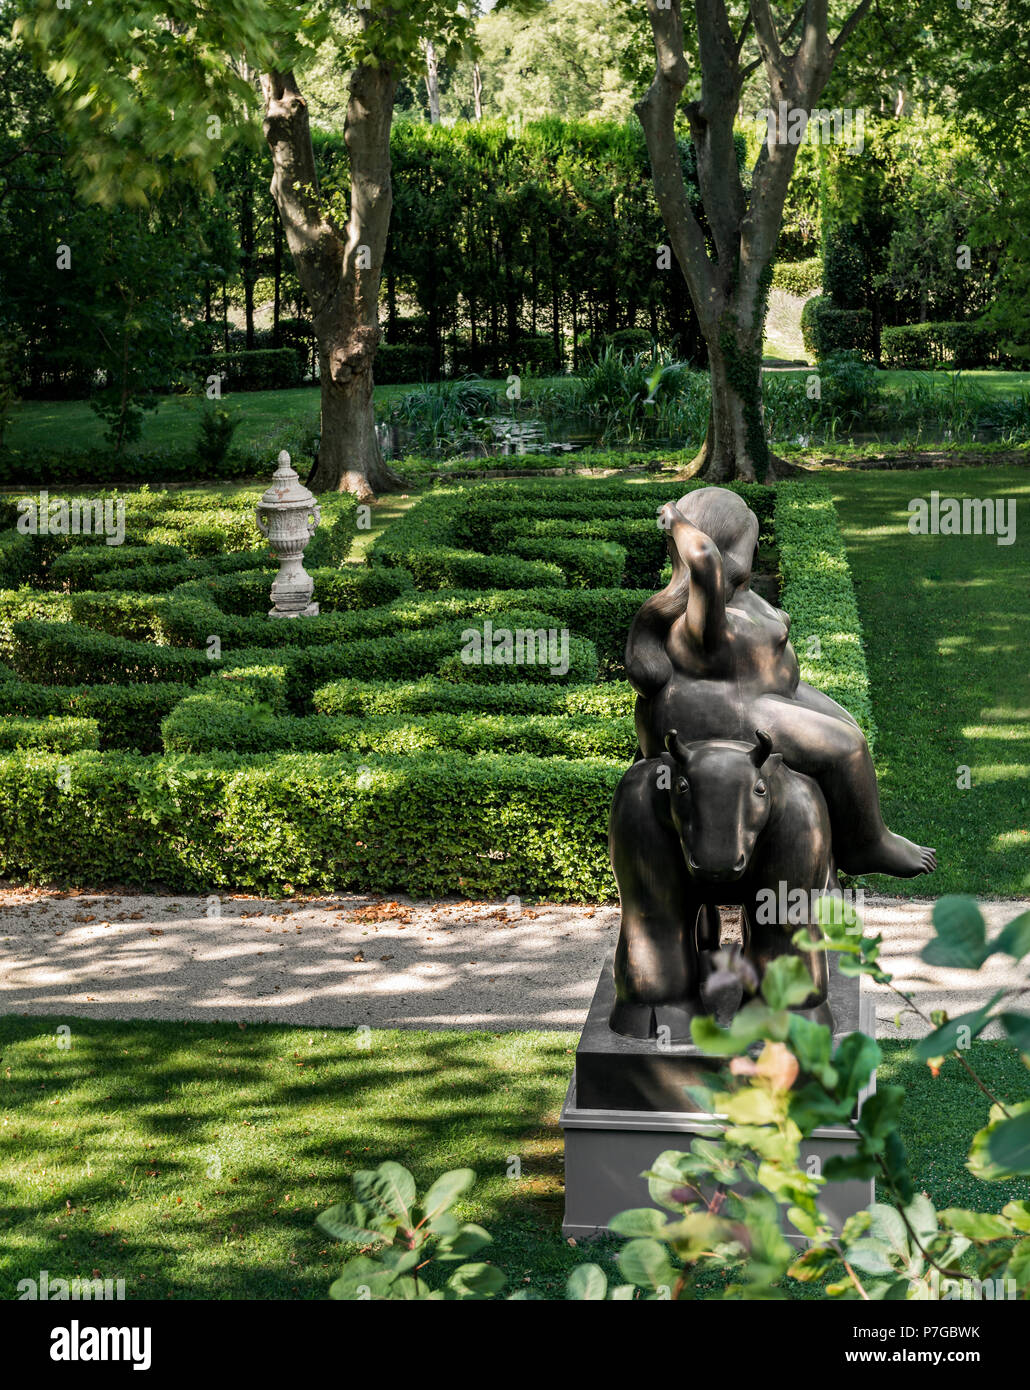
287,516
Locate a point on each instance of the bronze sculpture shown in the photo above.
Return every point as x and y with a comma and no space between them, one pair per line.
712,663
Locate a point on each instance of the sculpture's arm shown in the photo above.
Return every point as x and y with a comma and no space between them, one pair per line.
706,597
695,592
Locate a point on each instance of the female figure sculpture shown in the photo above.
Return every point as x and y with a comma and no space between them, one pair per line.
711,659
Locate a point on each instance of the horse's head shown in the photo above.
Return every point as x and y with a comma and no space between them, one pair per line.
720,801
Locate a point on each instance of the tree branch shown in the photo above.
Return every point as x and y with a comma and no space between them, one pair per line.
657,113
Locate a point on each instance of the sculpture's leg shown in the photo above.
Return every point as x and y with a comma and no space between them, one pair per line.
709,928
656,957
836,754
765,940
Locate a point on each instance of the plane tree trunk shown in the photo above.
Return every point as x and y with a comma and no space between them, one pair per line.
339,267
728,273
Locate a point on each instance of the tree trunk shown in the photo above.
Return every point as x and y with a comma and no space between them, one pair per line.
277,274
477,90
349,456
729,284
432,83
339,268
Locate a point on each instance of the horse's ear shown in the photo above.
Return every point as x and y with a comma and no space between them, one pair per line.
772,762
674,746
762,748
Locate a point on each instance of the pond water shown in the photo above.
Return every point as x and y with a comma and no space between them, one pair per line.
509,437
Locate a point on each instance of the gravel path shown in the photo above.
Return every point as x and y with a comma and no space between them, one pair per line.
351,960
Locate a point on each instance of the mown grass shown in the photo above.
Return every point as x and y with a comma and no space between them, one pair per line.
73,425
947,630
191,1159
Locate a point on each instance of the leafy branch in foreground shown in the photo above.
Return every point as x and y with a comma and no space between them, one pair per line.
730,1214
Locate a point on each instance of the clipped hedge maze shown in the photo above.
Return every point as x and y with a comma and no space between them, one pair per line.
157,729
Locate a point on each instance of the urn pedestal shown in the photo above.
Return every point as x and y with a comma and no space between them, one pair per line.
287,516
626,1104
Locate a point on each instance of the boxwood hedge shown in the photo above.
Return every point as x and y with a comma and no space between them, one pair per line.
358,749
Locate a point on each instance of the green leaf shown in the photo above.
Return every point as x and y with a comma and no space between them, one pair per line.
446,1191
856,1058
639,1221
1009,1144
479,1280
348,1221
976,1225
952,1036
870,1256
961,934
469,1240
1017,1029
1014,937
1019,1214
887,1226
646,1264
815,1263
981,1162
786,982
1018,1267
362,1278
812,1043
588,1284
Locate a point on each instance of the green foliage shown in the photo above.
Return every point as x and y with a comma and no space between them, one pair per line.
762,1112
818,593
798,277
412,1249
214,436
827,329
264,369
56,734
973,344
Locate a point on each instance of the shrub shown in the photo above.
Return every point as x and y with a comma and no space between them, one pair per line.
214,435
827,329
19,561
127,716
400,362
848,386
434,696
585,564
910,345
265,369
920,345
54,733
798,277
204,724
429,825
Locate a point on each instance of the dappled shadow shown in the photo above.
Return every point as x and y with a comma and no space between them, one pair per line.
437,966
107,1147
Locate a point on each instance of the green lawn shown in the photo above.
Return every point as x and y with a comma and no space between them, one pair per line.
946,624
73,425
996,383
106,1146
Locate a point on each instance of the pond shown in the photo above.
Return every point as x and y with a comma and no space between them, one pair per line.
503,436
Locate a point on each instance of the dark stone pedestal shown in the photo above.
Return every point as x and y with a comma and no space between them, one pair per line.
626,1103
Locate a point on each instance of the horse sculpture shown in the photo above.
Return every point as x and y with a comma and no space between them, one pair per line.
709,823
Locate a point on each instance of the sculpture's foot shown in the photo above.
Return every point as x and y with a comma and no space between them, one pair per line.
661,1023
891,854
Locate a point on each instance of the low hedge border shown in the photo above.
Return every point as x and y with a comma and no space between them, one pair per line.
55,733
205,724
818,593
484,827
